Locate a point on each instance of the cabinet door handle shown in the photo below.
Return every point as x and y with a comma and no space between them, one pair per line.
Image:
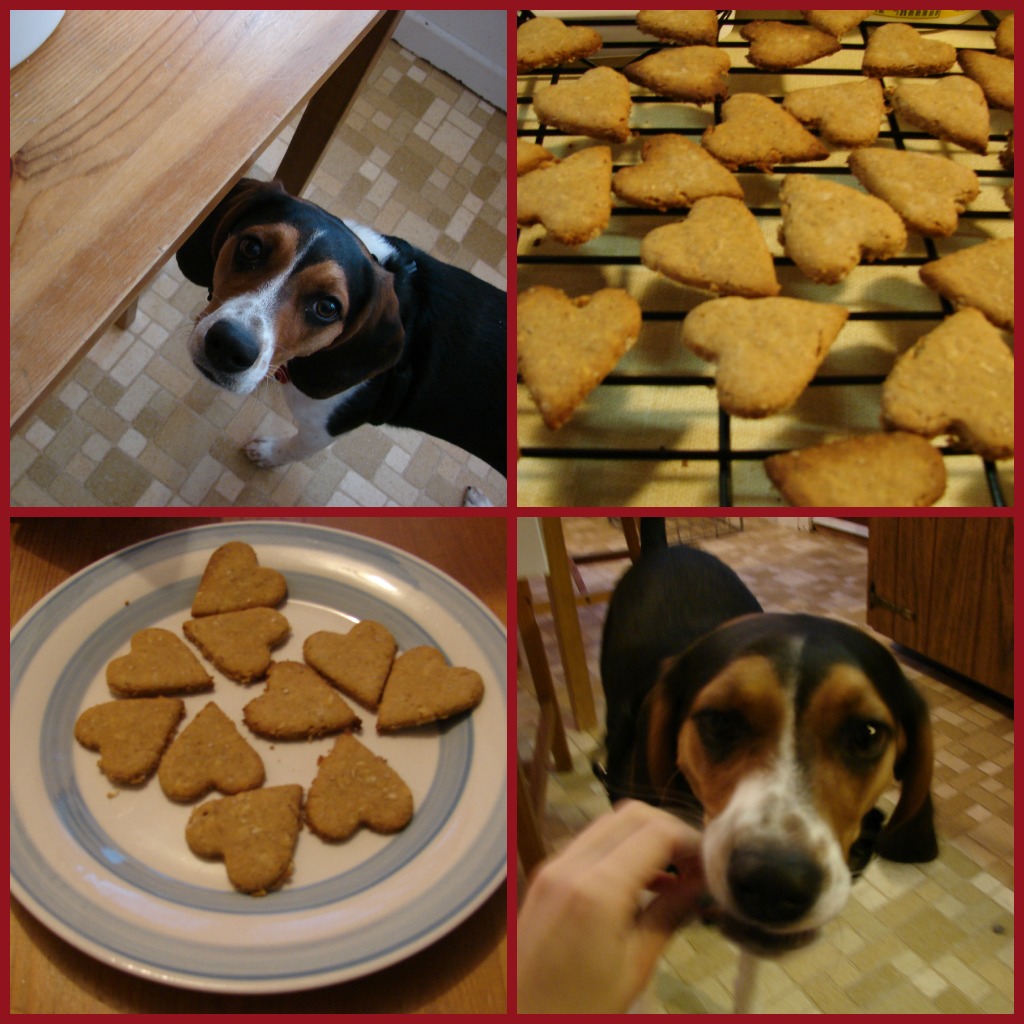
875,600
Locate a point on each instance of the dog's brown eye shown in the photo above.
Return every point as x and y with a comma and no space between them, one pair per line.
721,732
864,740
326,309
250,249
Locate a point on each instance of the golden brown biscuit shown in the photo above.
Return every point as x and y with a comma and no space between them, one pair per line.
239,643
254,833
766,350
828,228
356,662
875,470
719,247
355,787
899,49
158,663
567,346
130,735
1004,37
778,45
980,276
541,42
210,753
757,132
530,156
596,104
696,74
675,172
994,75
929,192
957,379
689,28
835,23
952,108
848,114
572,198
233,580
297,704
423,687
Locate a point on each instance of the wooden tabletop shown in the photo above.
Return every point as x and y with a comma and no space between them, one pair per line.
463,972
127,127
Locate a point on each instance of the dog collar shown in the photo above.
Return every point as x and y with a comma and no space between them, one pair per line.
281,374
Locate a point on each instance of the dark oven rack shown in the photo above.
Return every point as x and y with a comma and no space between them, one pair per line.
547,452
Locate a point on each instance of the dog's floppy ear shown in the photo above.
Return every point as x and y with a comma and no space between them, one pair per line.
198,255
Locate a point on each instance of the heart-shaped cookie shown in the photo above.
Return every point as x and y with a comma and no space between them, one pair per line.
423,688
848,113
952,108
234,580
297,704
828,228
766,350
979,276
254,833
356,662
210,753
835,23
130,735
355,787
239,643
695,74
899,49
596,104
541,42
566,347
158,663
719,247
778,45
572,199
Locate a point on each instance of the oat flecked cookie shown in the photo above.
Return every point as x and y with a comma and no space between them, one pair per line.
757,132
994,75
694,74
957,379
848,114
951,108
719,247
233,580
596,104
157,663
130,735
980,276
571,198
254,833
209,753
567,346
675,172
354,787
297,704
690,28
877,469
541,42
766,350
928,191
423,688
356,662
778,45
899,49
239,643
835,23
828,228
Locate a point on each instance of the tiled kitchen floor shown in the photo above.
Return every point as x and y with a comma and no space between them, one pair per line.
934,938
418,156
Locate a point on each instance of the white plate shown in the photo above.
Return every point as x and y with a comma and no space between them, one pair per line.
108,868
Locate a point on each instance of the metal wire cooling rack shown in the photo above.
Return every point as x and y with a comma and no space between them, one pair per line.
652,434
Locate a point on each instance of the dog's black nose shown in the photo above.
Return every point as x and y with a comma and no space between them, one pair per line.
774,884
230,348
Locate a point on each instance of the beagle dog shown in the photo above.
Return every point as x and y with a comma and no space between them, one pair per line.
356,326
776,733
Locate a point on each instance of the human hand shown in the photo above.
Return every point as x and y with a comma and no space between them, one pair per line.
597,916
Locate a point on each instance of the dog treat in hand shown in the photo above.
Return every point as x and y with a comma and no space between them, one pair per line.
778,45
541,42
356,662
675,172
695,74
239,643
994,75
210,753
130,735
929,192
980,276
690,28
828,228
254,833
757,132
835,23
899,49
888,470
952,108
596,104
297,704
848,114
158,663
233,580
766,350
719,247
423,687
354,787
957,379
567,346
571,198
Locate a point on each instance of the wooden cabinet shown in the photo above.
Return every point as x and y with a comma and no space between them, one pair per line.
943,587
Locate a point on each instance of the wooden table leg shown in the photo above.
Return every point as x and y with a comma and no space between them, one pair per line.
327,107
